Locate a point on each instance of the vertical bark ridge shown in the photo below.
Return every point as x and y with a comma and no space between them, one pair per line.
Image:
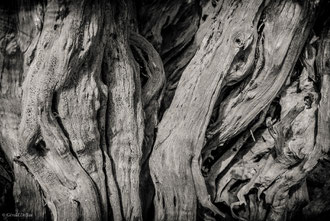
125,119
65,32
26,190
152,70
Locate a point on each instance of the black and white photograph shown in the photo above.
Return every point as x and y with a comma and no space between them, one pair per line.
164,110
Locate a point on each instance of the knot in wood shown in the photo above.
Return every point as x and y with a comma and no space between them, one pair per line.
239,39
308,100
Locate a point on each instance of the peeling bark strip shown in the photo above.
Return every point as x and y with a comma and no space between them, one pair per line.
151,68
152,82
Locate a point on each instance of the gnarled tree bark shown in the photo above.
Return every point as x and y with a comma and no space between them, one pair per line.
164,110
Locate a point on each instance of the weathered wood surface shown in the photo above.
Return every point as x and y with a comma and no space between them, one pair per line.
26,190
260,34
165,110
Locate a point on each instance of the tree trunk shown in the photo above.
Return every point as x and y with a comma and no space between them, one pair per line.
164,110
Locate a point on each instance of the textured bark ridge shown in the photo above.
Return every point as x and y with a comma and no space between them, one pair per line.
164,110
